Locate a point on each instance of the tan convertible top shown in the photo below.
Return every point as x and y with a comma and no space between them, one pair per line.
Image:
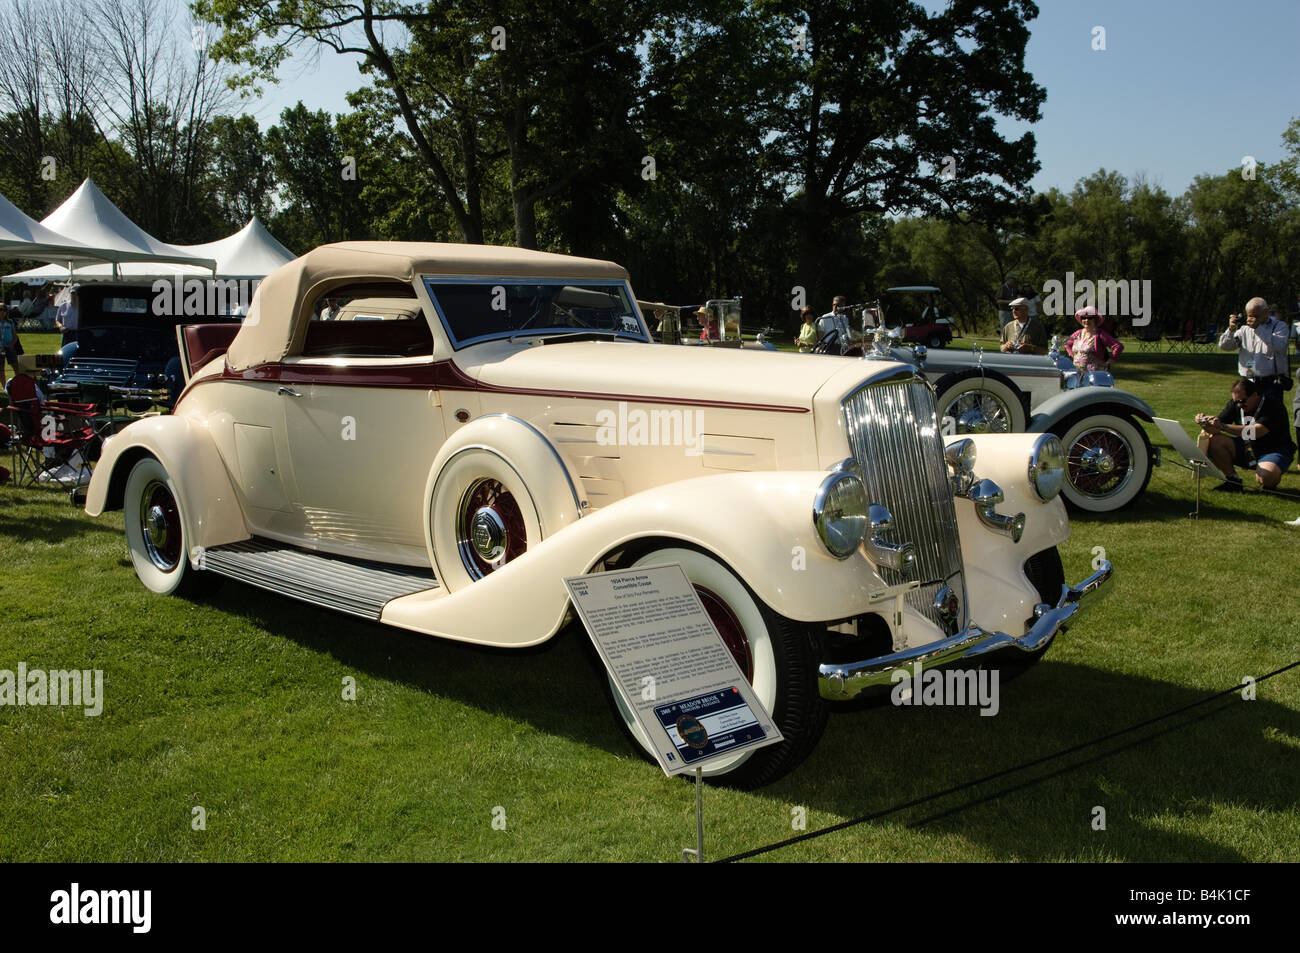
278,316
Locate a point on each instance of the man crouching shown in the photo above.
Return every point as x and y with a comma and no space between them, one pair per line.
1250,428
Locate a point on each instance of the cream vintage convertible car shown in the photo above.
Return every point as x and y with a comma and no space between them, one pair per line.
433,436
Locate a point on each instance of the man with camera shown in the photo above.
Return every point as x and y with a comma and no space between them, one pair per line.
1023,334
1251,427
1260,341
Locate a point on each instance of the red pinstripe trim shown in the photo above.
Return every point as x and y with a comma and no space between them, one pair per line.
446,375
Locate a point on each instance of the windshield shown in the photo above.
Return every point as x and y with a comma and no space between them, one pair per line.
124,341
481,309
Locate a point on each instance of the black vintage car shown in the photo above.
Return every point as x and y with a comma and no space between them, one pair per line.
126,340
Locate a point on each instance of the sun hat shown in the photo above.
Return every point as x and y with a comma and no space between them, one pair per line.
1088,312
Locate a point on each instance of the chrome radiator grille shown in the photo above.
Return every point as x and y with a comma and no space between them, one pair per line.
893,432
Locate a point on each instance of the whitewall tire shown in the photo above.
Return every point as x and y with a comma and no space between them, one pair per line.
777,655
157,532
481,516
1107,461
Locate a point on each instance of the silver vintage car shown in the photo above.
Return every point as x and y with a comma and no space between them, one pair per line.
1108,455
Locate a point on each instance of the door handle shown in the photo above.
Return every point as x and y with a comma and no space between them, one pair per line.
287,391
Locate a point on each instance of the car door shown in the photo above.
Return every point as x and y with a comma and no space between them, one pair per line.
362,422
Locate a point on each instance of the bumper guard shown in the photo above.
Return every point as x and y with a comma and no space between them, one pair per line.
847,681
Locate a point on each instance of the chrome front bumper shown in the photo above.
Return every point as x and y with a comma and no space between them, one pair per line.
847,681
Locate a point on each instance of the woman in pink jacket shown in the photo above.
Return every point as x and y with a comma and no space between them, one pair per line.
1091,348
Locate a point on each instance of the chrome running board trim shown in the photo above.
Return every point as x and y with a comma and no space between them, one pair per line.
351,586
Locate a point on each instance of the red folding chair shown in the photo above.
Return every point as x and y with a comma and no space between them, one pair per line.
52,441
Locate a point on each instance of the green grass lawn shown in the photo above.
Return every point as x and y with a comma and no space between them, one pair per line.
234,704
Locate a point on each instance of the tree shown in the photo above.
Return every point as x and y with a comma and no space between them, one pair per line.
894,111
318,180
242,179
160,97
514,97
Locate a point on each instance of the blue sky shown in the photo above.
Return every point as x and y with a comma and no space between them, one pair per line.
1183,87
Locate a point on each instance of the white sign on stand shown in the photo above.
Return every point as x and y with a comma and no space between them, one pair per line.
670,665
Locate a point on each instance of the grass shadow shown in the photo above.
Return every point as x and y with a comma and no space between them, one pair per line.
872,758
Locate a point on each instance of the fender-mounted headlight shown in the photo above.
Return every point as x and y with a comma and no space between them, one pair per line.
1047,467
840,513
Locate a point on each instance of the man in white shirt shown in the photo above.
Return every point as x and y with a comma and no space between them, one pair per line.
826,322
1260,342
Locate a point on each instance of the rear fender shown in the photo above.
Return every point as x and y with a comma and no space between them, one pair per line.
186,449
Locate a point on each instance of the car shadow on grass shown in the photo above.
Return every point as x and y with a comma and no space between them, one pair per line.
1157,506
1156,795
1158,786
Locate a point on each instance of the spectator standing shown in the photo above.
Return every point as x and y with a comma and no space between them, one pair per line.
1260,342
68,317
9,347
808,330
826,323
1091,348
708,326
1009,291
1022,334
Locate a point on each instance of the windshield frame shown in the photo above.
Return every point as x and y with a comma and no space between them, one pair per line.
429,281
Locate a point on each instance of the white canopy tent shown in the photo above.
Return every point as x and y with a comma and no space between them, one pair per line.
98,226
252,252
23,237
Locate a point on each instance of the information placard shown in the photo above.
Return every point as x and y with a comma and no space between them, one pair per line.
670,666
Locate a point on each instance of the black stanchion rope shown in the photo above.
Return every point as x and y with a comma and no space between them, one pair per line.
966,785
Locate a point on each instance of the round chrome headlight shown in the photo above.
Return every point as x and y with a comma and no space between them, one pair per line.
840,513
1047,466
960,455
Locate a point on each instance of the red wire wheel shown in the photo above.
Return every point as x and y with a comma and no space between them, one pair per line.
490,528
729,627
160,521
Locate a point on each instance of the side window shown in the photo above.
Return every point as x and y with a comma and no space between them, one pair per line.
377,319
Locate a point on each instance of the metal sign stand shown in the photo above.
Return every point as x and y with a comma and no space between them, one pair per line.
1197,467
698,851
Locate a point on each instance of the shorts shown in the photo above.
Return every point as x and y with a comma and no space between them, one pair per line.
1279,458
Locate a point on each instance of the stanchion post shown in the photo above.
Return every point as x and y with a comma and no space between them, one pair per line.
698,852
1197,467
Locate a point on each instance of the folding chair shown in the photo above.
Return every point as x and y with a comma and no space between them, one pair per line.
1148,342
1184,342
8,444
53,442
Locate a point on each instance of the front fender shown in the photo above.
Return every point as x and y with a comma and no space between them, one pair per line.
997,588
759,524
1094,400
186,449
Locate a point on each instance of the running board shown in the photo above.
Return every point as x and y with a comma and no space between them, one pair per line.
345,585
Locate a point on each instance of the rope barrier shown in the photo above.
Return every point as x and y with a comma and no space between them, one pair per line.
967,785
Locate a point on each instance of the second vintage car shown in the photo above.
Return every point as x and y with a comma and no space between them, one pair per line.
434,436
1108,456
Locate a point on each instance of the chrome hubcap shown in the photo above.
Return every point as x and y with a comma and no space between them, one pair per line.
488,533
1097,460
160,526
490,530
1099,463
156,527
973,421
